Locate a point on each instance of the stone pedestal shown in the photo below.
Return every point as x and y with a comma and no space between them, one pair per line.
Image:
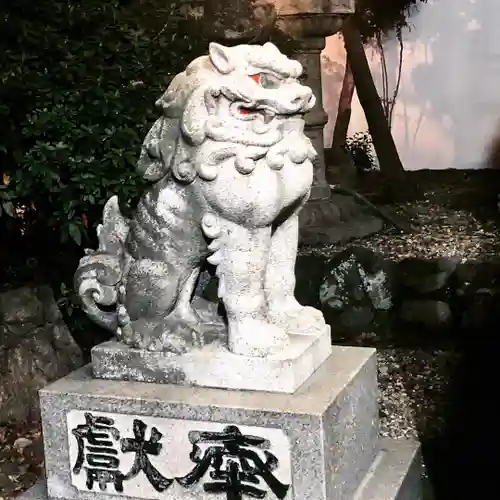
214,366
108,438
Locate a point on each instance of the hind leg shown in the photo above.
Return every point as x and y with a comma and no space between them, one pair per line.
149,317
183,328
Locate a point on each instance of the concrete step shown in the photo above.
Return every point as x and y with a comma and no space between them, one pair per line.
395,473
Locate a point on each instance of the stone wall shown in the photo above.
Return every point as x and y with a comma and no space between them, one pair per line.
364,293
36,348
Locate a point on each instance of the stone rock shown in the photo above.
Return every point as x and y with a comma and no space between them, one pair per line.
36,348
428,313
329,431
212,365
356,285
339,219
21,306
208,286
474,275
480,312
426,276
356,317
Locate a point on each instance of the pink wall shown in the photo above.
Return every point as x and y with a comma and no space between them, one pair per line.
448,108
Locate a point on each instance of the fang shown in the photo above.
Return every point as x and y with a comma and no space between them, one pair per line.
268,117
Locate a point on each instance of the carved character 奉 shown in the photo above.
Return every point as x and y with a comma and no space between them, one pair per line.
230,168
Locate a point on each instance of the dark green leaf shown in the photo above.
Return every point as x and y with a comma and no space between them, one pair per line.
8,208
74,232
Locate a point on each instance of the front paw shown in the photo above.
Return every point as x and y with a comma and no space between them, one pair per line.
154,336
256,338
297,319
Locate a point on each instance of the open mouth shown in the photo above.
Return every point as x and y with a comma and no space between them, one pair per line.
264,114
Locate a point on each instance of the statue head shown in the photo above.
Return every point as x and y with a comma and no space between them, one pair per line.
247,94
259,83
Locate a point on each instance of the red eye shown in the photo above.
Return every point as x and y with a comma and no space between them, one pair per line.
255,78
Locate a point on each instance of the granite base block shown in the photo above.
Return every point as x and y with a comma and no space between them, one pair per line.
215,366
395,475
315,444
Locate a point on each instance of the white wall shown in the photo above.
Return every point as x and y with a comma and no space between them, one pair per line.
448,107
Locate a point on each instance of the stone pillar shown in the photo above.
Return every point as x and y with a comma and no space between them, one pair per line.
308,24
304,24
309,55
233,22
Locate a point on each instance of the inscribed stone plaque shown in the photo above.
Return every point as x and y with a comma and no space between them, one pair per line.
161,458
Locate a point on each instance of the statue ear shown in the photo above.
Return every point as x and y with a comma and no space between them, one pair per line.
158,149
219,55
194,117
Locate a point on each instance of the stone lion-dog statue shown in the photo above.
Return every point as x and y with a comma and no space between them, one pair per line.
230,168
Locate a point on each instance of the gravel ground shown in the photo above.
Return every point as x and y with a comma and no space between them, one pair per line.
414,391
438,231
457,214
21,458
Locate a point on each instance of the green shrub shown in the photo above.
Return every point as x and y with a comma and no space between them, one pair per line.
78,84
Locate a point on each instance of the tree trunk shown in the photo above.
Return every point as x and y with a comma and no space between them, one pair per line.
344,110
338,159
390,163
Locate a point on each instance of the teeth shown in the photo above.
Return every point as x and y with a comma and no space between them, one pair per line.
268,116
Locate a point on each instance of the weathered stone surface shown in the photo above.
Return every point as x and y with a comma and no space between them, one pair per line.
214,366
357,275
476,275
36,348
231,168
21,306
338,219
331,424
358,284
428,313
395,473
436,294
324,436
426,276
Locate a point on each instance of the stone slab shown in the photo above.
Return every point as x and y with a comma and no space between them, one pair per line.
395,474
324,436
215,366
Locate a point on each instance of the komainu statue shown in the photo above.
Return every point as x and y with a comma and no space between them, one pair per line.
230,168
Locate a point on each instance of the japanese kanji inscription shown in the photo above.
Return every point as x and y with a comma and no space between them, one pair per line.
155,458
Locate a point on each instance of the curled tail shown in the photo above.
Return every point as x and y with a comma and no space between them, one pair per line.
99,274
